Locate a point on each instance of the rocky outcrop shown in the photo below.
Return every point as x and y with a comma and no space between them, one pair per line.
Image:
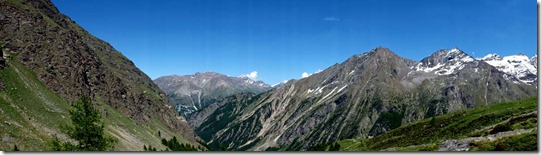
465,143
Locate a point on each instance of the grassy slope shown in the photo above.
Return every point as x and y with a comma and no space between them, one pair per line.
428,133
30,113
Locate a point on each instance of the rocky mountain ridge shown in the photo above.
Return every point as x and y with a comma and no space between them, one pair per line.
368,94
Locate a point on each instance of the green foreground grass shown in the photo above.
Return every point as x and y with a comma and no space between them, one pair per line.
427,134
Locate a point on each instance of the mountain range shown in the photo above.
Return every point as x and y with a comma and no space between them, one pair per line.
191,93
368,94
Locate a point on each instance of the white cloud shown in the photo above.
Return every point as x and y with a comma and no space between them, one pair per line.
304,74
331,19
251,75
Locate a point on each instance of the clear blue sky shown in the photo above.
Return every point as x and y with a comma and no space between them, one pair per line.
281,39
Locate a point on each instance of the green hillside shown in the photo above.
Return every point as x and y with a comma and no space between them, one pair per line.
31,114
513,126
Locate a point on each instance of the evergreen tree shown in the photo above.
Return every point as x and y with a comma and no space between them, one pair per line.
222,147
174,145
86,129
15,148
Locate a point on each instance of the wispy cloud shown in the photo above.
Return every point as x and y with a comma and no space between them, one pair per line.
332,18
251,75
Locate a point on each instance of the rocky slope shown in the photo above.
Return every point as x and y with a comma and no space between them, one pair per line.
196,119
70,62
366,95
191,93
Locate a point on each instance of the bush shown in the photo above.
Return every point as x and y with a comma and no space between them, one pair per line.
500,128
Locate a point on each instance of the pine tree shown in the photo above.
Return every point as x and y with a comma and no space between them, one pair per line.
86,128
174,145
15,148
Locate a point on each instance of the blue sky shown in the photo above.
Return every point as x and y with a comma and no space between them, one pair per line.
281,39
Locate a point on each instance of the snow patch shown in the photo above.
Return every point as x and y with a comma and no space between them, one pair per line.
353,71
339,90
332,91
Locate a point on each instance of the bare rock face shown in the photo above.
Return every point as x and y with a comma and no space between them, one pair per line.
72,63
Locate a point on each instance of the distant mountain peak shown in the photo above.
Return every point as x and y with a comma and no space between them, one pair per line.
519,66
208,73
193,92
381,51
454,54
444,62
492,56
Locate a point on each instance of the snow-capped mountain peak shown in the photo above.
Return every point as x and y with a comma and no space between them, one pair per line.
519,66
444,62
492,56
